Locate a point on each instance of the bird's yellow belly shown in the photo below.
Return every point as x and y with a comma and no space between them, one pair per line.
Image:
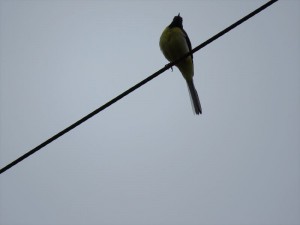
173,45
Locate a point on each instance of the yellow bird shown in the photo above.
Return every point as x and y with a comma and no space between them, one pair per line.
174,43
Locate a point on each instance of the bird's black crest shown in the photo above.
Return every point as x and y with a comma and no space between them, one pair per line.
177,22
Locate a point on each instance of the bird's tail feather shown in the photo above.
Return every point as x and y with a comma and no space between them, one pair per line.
194,97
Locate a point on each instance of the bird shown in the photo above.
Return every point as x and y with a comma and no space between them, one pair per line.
174,43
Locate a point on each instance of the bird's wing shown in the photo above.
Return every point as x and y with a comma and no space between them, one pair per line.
188,41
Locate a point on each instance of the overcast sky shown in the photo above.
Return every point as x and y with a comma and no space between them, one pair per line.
148,160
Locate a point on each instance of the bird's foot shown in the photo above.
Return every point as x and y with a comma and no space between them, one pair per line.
167,65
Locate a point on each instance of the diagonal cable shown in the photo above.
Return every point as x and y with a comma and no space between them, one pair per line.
109,103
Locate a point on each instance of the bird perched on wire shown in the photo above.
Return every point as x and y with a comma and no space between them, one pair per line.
174,43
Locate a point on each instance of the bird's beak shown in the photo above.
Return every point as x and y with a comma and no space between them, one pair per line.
178,14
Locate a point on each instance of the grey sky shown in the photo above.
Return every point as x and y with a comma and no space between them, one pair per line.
147,159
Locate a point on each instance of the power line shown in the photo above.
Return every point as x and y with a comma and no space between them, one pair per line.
168,66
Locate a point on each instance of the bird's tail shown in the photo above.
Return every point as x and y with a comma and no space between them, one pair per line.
194,97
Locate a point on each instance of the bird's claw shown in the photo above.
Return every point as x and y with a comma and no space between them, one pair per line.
167,65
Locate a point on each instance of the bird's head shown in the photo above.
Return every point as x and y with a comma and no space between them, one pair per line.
177,21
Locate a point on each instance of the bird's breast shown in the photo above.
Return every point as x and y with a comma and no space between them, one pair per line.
173,44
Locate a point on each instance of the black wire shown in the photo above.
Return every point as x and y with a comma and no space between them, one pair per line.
168,66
